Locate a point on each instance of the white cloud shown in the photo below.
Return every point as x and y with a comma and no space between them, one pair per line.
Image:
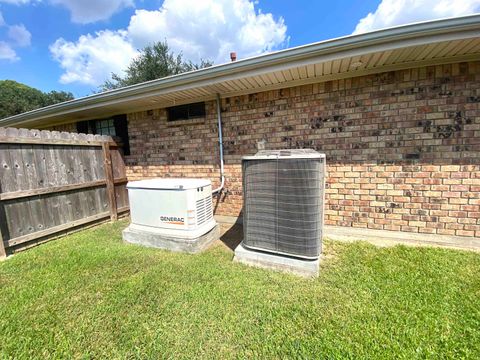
84,11
209,29
20,35
6,52
200,29
397,12
15,2
87,11
92,59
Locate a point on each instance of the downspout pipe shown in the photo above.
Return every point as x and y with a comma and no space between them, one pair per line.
220,146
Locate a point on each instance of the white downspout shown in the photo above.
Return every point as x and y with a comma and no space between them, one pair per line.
220,144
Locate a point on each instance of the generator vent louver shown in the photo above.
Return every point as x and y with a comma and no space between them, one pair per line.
283,202
204,210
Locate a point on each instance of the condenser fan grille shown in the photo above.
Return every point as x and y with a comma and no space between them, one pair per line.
283,205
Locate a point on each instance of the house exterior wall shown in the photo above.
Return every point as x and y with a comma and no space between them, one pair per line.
402,148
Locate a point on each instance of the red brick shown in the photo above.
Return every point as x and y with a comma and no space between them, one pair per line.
464,233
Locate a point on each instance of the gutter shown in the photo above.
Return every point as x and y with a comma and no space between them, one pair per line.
380,39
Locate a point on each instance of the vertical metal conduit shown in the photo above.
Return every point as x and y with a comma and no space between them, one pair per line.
220,146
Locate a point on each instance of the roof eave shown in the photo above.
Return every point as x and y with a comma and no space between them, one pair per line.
464,26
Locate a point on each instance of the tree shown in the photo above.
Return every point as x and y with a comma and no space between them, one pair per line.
16,98
154,62
55,97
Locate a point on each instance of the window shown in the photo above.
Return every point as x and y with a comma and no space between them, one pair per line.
186,112
105,127
114,126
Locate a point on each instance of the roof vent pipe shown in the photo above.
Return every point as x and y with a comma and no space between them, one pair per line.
233,56
220,146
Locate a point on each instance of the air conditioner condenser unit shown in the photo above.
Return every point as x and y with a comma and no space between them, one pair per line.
283,197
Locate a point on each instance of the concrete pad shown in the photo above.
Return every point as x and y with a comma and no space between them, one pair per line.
392,238
377,237
225,219
178,244
306,268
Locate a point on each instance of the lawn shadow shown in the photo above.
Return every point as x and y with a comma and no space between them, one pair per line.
233,236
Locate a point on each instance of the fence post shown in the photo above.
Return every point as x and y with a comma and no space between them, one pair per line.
3,253
3,222
107,158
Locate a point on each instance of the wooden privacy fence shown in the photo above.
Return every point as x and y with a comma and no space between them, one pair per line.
51,182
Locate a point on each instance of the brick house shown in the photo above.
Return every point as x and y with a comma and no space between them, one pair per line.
396,111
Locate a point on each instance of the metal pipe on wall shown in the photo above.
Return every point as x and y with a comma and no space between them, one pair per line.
220,144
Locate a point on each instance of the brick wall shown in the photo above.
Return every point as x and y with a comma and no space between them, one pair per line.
403,147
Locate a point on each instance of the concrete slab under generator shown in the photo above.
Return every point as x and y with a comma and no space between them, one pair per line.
171,243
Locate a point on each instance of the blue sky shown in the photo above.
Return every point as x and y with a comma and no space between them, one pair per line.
73,45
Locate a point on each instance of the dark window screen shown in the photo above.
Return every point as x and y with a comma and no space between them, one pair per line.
186,112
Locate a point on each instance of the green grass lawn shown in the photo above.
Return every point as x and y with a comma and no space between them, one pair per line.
89,295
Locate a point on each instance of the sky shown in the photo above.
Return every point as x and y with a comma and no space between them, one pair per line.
75,45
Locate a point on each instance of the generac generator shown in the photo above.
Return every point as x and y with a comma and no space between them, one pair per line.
171,207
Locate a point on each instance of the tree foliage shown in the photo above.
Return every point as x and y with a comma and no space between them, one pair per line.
154,62
16,98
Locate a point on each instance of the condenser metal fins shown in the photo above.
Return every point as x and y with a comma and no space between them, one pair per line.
283,202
